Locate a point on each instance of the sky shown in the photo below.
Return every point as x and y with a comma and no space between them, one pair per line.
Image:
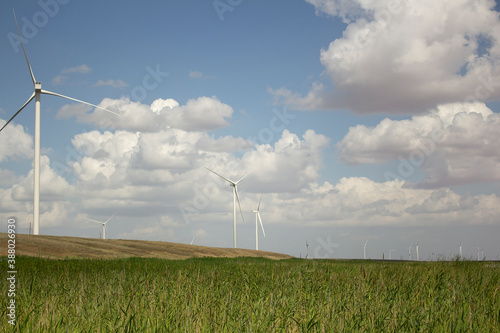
360,121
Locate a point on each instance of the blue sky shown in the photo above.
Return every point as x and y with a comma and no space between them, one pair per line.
361,121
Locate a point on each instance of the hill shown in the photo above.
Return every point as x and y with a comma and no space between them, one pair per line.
76,247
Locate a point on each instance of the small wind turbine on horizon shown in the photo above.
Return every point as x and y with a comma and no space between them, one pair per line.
390,254
236,197
416,247
103,224
307,249
36,163
364,249
461,257
257,215
409,251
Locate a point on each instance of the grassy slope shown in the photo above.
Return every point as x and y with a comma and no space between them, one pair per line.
76,247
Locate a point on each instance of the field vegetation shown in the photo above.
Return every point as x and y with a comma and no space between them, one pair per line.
253,295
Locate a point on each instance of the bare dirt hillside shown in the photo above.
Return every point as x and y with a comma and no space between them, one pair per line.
75,247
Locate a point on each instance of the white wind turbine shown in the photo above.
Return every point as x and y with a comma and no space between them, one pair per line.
257,215
103,224
36,163
416,247
409,251
390,254
364,249
236,197
307,249
461,257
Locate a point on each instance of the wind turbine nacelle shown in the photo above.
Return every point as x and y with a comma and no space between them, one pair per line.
38,86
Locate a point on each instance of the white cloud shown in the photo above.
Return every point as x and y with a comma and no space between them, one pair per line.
82,69
111,83
16,143
151,177
361,201
59,79
52,186
195,74
203,113
453,144
404,57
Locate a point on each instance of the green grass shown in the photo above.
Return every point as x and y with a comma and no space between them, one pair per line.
253,295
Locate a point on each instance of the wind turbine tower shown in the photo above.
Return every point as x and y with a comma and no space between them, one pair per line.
416,247
236,197
364,249
461,257
390,254
36,163
257,216
409,251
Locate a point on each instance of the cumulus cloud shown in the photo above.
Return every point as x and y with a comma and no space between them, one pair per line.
359,201
53,187
16,143
201,114
453,144
407,56
158,178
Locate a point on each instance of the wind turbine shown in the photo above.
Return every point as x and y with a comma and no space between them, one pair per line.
236,197
257,215
103,224
390,254
418,259
364,249
461,257
409,251
36,163
307,249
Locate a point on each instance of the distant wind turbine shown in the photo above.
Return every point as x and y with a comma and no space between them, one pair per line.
461,257
409,251
416,247
390,254
36,163
364,249
236,197
103,224
257,215
307,249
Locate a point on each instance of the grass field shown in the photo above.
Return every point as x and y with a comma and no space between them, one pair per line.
253,295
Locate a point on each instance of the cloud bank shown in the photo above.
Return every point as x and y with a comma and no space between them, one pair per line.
402,57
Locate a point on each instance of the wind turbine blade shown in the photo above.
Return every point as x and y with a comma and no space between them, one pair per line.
238,198
258,207
261,225
244,176
111,217
22,107
77,100
229,180
95,221
22,44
